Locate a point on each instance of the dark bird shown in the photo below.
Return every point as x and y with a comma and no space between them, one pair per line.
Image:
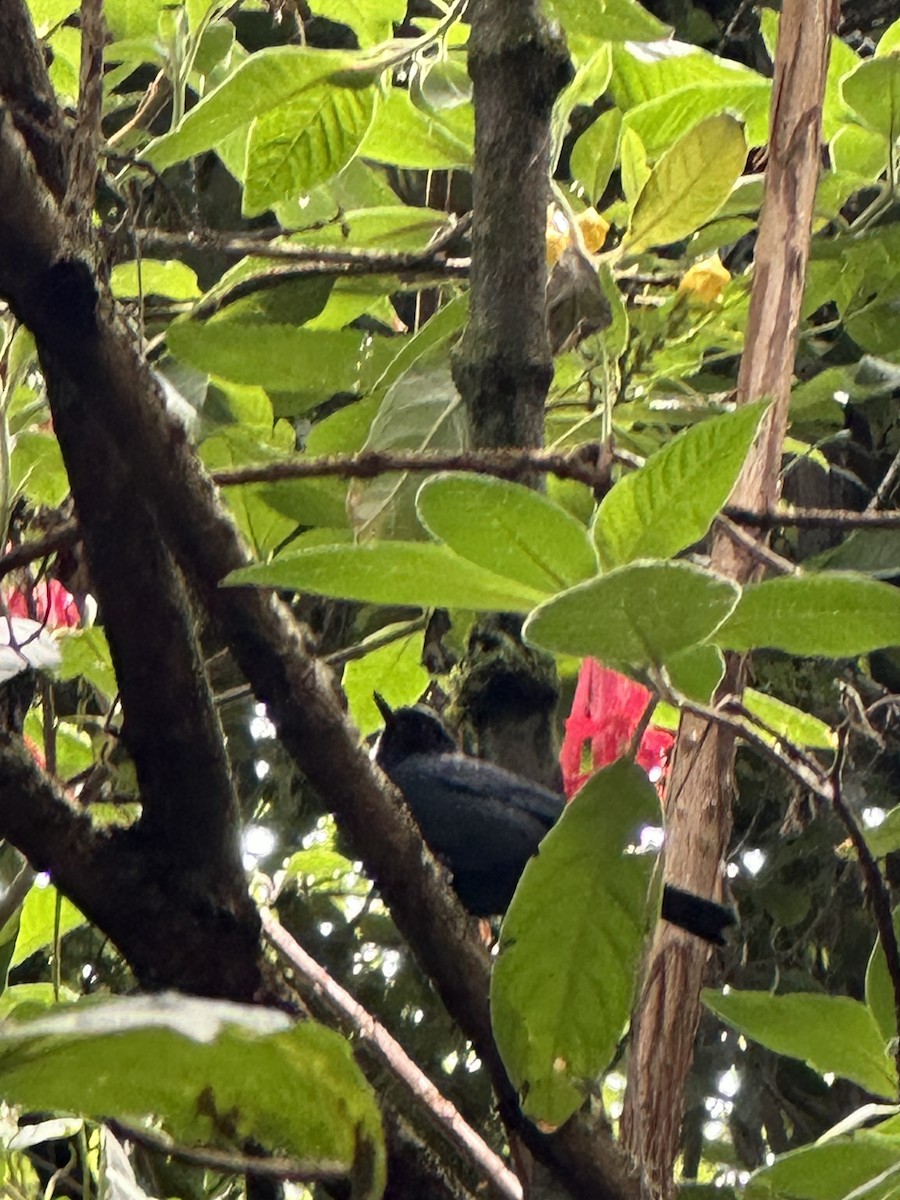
485,823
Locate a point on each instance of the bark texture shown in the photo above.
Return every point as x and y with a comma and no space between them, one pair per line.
698,803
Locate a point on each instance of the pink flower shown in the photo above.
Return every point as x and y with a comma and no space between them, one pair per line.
53,605
605,714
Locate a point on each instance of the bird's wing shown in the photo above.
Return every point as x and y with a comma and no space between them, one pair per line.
475,822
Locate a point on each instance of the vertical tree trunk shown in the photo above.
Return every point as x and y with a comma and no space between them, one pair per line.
698,805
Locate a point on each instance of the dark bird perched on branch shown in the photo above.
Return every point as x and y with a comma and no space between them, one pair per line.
485,823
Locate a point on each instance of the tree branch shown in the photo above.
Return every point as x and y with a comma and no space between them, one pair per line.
699,793
442,1115
94,362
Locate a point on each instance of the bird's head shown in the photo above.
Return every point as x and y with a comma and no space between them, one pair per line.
413,730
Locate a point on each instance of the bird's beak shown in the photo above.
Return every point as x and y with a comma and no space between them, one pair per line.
383,707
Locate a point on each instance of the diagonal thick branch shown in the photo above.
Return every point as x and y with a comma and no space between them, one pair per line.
95,374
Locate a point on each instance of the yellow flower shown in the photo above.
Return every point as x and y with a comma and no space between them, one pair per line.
705,281
593,230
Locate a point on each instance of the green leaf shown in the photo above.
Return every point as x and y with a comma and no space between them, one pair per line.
307,501
859,150
85,653
798,727
421,410
419,574
833,1034
861,1165
200,1065
591,80
834,614
662,120
37,924
46,14
311,364
271,81
395,671
636,616
37,469
605,21
291,150
696,672
595,154
689,184
263,526
642,73
671,501
507,528
873,92
885,838
879,989
563,984
382,227
371,21
407,137
154,277
635,170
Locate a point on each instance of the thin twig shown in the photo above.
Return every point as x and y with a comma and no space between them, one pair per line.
61,538
576,465
784,754
377,641
756,549
814,518
876,887
315,258
506,464
443,1115
294,1170
886,486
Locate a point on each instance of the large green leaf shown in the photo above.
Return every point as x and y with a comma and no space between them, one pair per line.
642,73
151,276
263,526
635,617
800,728
660,121
670,502
394,670
311,364
873,92
200,1065
604,21
835,614
865,1164
563,983
270,82
879,988
689,184
291,150
421,410
596,152
407,137
833,1034
507,528
419,574
39,922
371,21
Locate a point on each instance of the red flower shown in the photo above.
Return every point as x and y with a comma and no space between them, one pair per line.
53,605
605,714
